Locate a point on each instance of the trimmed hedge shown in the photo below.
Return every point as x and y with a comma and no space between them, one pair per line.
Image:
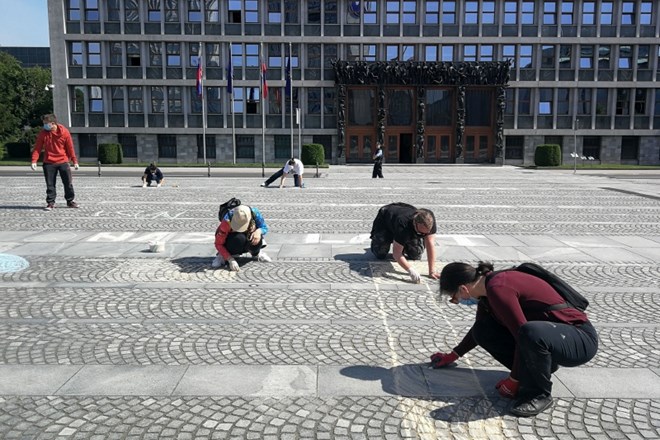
110,153
548,155
312,154
18,150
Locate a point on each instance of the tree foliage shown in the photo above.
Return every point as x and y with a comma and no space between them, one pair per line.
23,99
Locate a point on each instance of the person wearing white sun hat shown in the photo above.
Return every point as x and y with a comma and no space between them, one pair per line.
241,230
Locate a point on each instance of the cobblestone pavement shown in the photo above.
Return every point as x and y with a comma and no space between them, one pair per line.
99,338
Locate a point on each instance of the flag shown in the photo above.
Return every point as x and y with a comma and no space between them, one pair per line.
264,84
288,77
198,84
230,74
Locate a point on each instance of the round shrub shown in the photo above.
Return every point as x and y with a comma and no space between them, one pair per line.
548,155
110,154
312,154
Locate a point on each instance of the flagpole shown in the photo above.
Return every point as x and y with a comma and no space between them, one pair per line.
201,82
291,99
263,112
230,89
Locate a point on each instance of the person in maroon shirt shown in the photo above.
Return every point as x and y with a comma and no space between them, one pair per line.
524,324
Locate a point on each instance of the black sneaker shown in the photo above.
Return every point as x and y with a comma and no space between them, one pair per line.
531,407
49,207
72,204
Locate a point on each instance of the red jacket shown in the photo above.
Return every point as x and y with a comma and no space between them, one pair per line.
57,146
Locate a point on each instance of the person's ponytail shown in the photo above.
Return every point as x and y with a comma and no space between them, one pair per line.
484,267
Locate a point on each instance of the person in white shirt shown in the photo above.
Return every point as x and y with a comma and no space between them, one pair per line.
296,166
378,162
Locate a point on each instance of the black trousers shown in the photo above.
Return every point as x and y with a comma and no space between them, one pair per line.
50,174
152,178
543,346
378,170
275,176
382,239
237,243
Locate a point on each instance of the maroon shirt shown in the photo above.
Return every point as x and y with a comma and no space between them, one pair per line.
515,298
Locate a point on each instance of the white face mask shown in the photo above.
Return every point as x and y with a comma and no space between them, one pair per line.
48,126
469,302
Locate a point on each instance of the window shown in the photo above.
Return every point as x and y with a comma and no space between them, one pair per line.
212,11
431,53
439,104
623,102
194,11
547,57
291,11
370,12
74,10
657,102
314,101
589,13
565,56
432,12
172,11
173,54
116,56
155,54
510,99
88,145
92,10
128,144
584,101
514,147
449,12
486,52
591,147
625,57
640,101
509,53
360,106
78,97
563,101
95,99
447,53
643,56
195,101
604,57
586,56
113,10
510,12
525,57
545,101
274,55
646,13
314,12
392,53
193,55
174,100
166,146
602,101
329,98
407,53
628,13
527,16
251,55
409,12
93,54
471,12
549,12
132,10
135,103
606,13
566,12
133,54
213,99
470,52
524,101
210,146
629,148
392,12
330,11
157,100
235,11
282,146
76,53
274,11
488,12
153,13
117,99
244,147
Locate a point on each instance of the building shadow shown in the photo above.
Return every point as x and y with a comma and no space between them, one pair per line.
462,394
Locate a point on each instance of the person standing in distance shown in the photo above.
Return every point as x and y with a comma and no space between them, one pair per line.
378,162
56,143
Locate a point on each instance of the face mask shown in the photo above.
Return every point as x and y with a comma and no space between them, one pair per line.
47,127
469,302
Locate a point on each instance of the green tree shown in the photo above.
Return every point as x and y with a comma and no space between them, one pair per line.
12,84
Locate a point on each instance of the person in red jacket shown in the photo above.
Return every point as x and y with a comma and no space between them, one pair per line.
56,143
524,324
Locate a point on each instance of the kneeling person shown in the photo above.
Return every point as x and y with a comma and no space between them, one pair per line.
240,231
408,230
152,174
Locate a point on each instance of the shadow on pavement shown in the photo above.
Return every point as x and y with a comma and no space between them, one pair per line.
193,264
22,207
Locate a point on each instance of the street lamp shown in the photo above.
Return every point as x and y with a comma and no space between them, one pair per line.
575,155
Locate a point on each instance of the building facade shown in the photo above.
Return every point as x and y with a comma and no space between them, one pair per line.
581,74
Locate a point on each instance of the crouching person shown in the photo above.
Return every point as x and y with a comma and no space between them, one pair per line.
524,324
241,230
408,231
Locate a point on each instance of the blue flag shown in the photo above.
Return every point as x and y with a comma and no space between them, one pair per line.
288,77
230,74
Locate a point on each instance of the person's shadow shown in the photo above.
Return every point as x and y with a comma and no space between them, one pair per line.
22,207
193,264
468,394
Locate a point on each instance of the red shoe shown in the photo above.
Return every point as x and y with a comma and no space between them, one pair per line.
72,204
49,207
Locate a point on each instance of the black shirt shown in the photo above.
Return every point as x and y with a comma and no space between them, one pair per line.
397,220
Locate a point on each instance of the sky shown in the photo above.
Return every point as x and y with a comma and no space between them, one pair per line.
24,23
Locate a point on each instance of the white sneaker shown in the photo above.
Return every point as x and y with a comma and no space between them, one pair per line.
263,185
218,261
263,258
144,185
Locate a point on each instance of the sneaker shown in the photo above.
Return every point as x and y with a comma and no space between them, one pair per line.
531,407
144,185
218,261
263,185
263,258
72,204
49,207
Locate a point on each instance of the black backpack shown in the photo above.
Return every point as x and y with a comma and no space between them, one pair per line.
227,206
572,297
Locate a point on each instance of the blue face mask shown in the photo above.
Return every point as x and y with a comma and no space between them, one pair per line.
469,302
47,127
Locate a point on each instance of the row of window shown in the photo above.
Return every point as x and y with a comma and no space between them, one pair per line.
565,12
591,147
439,102
523,56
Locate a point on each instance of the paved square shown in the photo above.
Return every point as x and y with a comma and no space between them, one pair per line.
101,338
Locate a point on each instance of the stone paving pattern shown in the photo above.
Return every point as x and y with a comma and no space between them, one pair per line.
100,338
